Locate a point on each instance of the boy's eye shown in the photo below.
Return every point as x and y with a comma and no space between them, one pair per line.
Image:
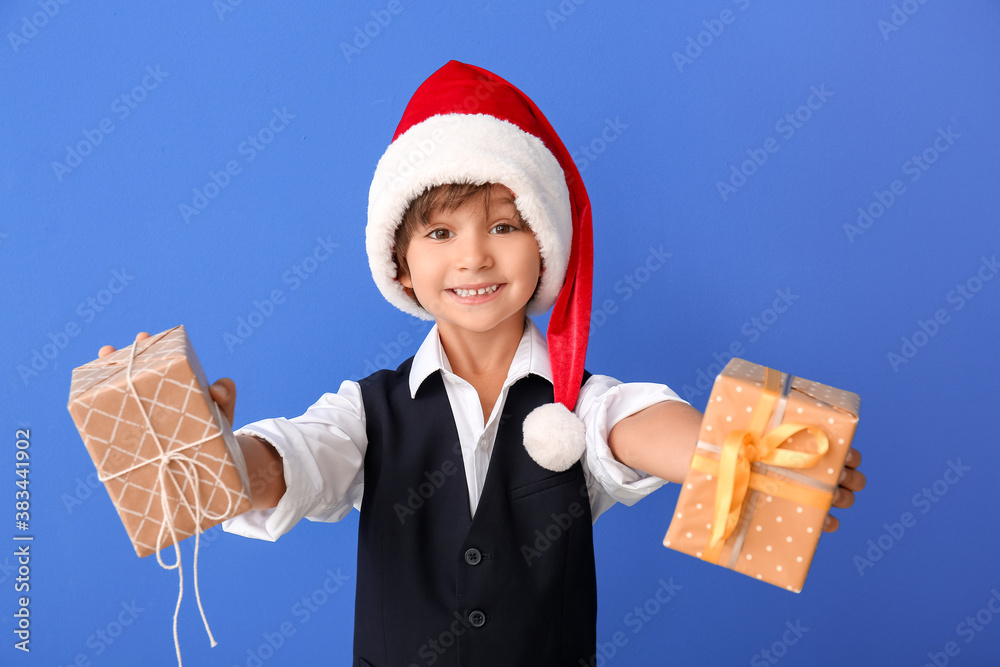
503,228
439,234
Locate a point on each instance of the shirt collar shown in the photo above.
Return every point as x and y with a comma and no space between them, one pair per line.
531,357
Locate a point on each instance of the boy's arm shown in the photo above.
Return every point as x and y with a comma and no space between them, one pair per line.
265,471
659,440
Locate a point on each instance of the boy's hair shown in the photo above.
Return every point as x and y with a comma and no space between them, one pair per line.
447,197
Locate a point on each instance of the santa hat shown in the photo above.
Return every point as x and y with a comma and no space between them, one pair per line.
465,124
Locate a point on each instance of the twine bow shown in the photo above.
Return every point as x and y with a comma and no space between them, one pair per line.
742,449
189,468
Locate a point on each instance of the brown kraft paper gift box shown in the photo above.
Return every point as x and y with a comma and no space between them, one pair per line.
185,450
770,453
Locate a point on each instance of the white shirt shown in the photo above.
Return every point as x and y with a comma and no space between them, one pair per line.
323,450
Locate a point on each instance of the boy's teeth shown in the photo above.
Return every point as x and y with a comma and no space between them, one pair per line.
476,292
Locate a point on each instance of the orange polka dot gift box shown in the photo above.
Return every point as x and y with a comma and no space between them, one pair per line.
162,447
763,475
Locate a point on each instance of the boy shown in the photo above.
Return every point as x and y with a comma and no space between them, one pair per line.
477,217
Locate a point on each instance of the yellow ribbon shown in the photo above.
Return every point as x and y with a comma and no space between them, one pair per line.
742,449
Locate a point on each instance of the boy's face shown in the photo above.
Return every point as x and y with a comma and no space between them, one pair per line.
471,271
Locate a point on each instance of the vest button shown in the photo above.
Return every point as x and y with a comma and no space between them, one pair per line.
477,619
473,556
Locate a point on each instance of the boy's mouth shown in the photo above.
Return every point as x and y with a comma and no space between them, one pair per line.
476,291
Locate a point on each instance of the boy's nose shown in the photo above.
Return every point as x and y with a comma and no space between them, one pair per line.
473,252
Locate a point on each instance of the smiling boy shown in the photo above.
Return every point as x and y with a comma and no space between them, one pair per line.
473,268
499,434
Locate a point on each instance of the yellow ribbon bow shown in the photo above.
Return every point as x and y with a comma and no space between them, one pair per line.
742,449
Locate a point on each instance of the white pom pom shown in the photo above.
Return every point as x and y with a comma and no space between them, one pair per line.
554,437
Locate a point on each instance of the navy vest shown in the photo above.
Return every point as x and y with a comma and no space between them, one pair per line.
514,586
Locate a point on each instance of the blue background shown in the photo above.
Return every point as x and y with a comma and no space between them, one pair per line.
682,126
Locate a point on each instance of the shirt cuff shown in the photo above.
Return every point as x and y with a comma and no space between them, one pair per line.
322,454
270,524
610,402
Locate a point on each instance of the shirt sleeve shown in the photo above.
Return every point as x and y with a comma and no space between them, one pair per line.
322,453
603,402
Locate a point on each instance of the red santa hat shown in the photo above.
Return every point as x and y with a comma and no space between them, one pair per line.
465,124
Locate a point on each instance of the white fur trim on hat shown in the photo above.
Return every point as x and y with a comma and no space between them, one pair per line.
554,437
464,148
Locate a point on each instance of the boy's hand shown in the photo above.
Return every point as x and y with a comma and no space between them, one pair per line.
223,391
850,481
108,349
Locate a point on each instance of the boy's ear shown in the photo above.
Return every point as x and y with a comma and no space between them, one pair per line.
405,281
